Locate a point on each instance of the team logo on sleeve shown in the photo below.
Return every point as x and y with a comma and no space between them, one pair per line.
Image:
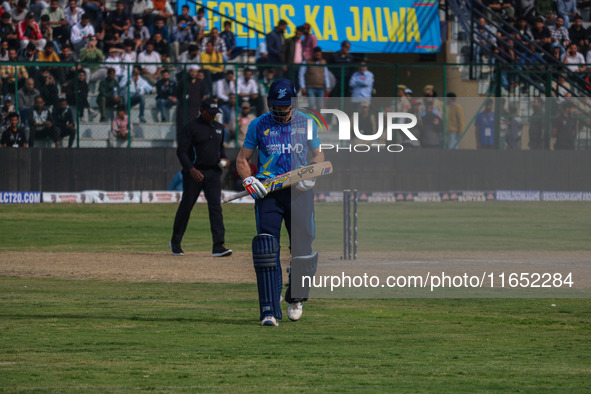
282,93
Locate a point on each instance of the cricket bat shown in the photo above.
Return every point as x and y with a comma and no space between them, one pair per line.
290,178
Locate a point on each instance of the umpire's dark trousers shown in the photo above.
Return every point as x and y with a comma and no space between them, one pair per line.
212,187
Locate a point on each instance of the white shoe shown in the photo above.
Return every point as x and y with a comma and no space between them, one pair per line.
295,310
269,321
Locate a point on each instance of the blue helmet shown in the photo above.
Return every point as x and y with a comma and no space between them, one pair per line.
281,93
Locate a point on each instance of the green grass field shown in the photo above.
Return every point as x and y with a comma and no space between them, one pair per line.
90,336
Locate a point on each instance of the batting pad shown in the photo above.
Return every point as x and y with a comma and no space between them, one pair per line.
265,256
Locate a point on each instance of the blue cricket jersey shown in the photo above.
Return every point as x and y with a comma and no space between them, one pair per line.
282,147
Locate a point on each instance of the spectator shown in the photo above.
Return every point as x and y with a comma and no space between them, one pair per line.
561,88
26,97
138,89
225,87
191,56
247,87
138,33
402,103
523,33
431,126
564,127
13,136
261,56
341,58
361,84
485,126
559,33
159,27
574,59
7,108
213,71
229,118
264,85
45,29
108,95
91,54
77,93
151,73
161,47
28,31
73,14
314,81
162,9
578,35
120,128
182,36
524,9
502,8
200,25
537,124
456,123
19,13
109,37
485,36
81,33
119,20
94,9
7,32
7,74
190,95
4,51
230,40
275,41
566,9
144,9
513,137
366,123
310,42
57,21
114,61
201,76
41,124
64,121
244,119
48,88
129,54
293,55
166,97
218,44
545,9
541,34
48,54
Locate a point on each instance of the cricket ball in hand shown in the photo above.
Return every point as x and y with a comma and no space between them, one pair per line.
223,163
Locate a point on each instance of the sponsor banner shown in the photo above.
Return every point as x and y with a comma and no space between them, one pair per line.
103,197
328,197
162,196
68,198
377,197
518,195
20,197
379,26
427,197
566,196
474,196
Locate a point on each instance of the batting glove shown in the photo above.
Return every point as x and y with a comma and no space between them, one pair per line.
305,185
254,187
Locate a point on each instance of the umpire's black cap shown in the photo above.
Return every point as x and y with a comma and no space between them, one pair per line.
211,106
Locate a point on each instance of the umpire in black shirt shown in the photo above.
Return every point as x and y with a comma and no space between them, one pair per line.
200,151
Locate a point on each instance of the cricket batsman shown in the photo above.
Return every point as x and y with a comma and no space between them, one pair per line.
282,141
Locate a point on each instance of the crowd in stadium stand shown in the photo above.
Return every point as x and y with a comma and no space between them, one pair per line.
147,31
541,31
